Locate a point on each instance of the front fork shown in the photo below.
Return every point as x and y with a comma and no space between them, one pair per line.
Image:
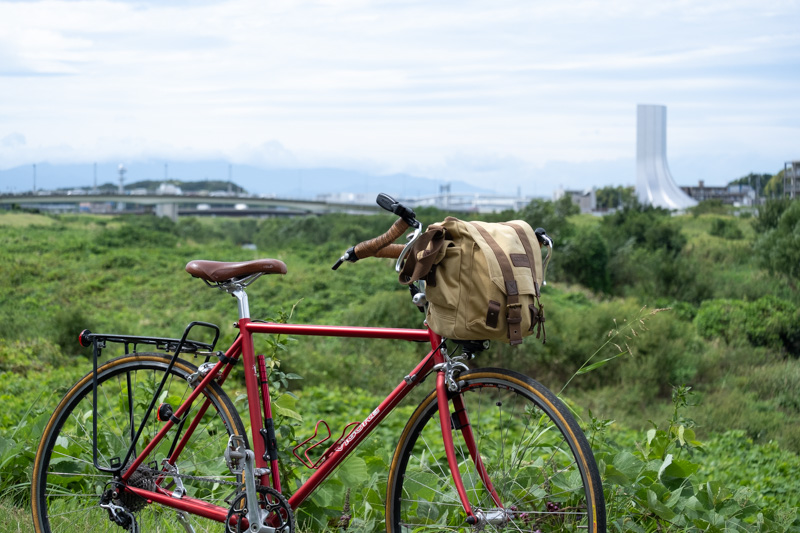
446,384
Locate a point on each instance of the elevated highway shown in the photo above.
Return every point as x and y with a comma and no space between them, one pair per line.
171,205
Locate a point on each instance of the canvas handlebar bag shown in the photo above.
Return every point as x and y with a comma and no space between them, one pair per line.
482,279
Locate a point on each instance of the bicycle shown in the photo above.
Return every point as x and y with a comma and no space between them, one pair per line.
148,441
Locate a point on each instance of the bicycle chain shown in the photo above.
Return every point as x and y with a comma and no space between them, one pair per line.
154,472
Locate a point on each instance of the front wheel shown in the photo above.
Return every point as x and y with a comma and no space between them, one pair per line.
538,470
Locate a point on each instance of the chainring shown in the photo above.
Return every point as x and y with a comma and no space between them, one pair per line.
279,513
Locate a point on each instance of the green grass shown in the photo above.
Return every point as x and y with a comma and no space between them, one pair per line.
60,274
24,220
15,519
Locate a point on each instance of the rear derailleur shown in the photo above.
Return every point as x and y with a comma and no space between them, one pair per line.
118,514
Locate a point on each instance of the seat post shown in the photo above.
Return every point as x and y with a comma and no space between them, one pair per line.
241,297
235,287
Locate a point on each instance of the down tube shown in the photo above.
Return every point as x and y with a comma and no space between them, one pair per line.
363,430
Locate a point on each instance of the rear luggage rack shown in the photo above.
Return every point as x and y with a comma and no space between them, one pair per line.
182,345
177,346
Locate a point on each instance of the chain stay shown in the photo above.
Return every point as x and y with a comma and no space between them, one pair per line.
154,472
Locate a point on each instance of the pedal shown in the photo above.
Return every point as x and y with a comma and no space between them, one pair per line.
235,453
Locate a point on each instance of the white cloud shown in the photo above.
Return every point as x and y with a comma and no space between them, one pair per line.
409,86
13,140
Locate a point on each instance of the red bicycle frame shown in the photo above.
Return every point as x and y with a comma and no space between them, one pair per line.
261,414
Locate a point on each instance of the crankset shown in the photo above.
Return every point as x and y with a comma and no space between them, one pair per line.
277,515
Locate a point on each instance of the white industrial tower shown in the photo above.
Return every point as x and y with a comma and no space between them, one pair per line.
654,183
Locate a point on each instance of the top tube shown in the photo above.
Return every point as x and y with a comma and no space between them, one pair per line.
416,335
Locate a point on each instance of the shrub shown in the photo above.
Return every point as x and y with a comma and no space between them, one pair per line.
769,214
139,231
708,206
721,319
553,218
768,321
647,227
657,486
584,260
727,229
781,244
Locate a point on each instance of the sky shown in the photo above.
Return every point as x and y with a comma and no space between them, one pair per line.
508,94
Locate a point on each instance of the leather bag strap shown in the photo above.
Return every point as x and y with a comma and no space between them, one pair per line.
514,308
423,254
526,243
537,315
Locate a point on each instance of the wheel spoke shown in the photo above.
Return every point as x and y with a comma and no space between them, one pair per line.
523,436
67,488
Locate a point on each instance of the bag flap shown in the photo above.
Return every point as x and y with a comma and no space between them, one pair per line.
526,269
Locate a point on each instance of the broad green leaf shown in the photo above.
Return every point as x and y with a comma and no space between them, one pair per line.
680,468
674,498
353,472
689,436
657,507
664,465
627,464
323,495
284,406
5,444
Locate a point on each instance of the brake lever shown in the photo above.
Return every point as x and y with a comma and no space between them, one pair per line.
398,266
545,240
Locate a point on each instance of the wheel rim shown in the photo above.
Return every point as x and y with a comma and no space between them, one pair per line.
537,466
67,486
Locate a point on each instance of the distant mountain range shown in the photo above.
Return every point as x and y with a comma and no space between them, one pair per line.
282,182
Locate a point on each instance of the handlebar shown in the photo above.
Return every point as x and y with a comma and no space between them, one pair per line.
371,247
392,251
382,246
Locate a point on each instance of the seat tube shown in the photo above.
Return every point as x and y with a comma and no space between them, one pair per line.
268,433
251,384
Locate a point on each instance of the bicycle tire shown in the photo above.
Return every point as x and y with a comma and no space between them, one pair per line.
66,487
535,453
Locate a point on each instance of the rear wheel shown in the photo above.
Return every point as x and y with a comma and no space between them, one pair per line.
66,486
537,459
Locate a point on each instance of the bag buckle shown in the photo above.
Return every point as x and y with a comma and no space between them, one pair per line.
514,313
